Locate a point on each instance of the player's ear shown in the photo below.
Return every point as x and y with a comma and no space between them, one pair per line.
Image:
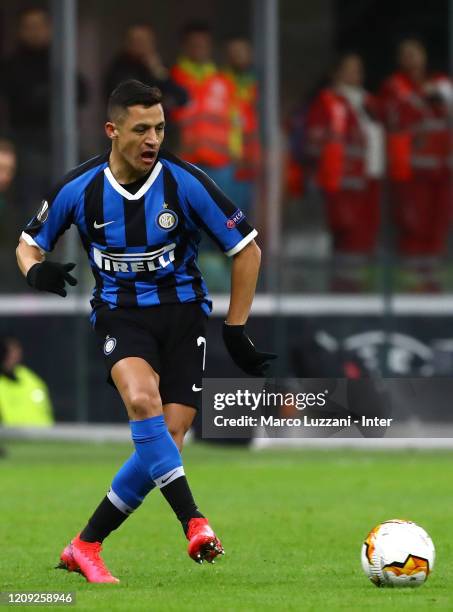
111,130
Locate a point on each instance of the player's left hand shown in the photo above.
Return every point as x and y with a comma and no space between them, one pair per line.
243,351
51,276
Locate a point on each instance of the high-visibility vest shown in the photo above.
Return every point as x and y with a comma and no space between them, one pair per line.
246,137
419,127
24,401
206,121
335,143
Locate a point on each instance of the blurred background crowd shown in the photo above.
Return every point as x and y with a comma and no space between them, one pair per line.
366,161
329,122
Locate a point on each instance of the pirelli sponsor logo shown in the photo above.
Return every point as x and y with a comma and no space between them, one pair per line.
135,262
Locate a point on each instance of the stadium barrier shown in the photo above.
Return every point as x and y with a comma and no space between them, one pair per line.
424,305
102,433
313,334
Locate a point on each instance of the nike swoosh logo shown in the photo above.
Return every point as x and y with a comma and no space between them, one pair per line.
195,388
168,477
99,225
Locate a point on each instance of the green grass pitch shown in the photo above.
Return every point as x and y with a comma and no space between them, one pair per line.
292,523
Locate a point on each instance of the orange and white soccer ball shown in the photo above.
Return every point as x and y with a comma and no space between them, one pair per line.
398,553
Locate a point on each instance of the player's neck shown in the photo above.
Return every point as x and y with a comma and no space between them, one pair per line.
123,172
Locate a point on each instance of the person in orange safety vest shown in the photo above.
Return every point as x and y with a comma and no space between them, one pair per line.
206,122
345,155
246,140
417,110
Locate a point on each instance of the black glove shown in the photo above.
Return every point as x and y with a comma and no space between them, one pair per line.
243,351
50,276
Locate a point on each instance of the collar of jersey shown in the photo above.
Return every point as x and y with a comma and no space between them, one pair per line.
143,189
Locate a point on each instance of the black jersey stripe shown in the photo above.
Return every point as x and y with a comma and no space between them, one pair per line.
126,294
94,209
197,286
135,233
99,283
135,222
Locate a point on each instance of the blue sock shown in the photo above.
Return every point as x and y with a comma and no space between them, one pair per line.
131,485
156,462
157,450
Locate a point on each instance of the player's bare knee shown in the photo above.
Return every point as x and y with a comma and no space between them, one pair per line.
177,432
144,404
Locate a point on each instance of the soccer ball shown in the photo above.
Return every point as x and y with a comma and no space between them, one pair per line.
398,553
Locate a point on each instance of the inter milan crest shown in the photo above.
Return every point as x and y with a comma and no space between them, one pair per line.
167,220
43,212
109,345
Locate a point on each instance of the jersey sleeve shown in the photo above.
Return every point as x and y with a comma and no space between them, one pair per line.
53,218
216,214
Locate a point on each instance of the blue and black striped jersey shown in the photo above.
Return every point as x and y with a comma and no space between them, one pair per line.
142,247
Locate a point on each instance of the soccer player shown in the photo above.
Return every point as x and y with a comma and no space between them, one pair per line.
138,211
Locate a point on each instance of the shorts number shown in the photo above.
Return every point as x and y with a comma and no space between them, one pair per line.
201,340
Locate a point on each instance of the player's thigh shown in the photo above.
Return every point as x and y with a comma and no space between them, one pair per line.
132,360
178,418
183,358
138,385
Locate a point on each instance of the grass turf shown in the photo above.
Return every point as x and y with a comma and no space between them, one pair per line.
292,524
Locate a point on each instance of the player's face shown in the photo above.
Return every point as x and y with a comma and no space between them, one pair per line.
139,134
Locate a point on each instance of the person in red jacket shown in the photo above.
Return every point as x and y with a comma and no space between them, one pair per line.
344,148
417,110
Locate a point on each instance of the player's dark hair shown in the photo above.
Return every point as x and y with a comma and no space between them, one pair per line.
129,93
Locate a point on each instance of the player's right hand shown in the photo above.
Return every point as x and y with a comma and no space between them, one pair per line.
51,276
243,351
